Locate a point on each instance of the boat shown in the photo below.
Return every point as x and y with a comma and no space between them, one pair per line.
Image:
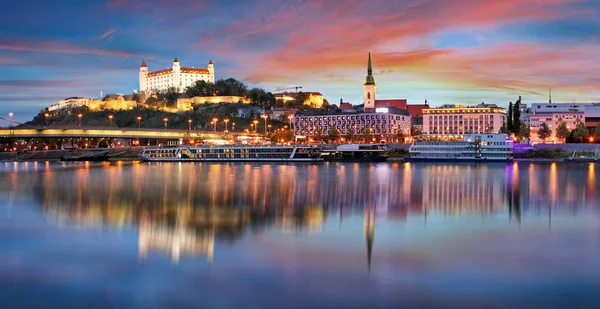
357,153
87,155
232,153
458,148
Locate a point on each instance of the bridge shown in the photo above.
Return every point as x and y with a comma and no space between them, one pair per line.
113,132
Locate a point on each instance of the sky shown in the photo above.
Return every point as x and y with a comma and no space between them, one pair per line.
448,52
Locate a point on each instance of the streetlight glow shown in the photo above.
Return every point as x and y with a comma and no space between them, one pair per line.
139,119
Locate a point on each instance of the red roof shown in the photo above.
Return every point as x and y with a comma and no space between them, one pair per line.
194,70
210,62
184,96
176,60
397,103
143,64
416,109
345,106
160,72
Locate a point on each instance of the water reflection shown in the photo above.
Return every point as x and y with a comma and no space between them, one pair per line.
183,209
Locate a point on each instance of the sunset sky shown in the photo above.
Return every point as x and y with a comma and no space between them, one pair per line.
459,51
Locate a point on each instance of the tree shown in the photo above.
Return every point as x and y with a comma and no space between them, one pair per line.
516,122
504,128
597,132
400,136
524,131
333,134
231,87
318,134
509,120
350,135
580,132
544,132
562,131
201,89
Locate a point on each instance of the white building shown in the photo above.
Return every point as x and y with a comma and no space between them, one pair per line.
382,122
552,114
69,103
459,119
176,76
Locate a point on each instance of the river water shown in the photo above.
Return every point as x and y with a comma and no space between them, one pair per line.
386,235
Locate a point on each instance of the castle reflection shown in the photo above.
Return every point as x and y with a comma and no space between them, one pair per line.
182,209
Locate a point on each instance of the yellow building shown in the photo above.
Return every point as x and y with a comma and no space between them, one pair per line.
313,99
185,103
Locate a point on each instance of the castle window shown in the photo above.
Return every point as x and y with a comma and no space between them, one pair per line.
368,95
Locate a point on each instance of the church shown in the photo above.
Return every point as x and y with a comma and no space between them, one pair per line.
176,76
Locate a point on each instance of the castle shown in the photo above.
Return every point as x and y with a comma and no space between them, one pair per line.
176,76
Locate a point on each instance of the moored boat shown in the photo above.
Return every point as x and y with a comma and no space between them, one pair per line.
237,153
357,153
467,147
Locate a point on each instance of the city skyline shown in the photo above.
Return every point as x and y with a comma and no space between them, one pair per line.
464,52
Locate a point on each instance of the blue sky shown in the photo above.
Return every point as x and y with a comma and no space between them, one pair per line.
463,51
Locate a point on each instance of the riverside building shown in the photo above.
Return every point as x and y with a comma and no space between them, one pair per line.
382,122
176,76
460,119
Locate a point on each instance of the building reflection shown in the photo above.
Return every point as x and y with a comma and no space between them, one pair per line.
185,209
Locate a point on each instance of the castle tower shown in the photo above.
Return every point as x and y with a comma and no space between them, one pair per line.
143,73
176,73
369,88
211,71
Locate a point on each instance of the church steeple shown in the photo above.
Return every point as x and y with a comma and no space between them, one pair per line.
370,80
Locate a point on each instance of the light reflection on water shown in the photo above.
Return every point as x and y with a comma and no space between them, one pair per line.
420,224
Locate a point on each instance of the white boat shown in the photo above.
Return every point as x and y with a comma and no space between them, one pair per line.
234,153
357,153
467,147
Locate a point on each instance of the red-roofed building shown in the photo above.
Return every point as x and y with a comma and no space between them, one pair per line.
397,103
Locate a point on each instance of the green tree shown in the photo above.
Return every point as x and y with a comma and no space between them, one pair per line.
597,132
318,135
544,132
509,119
333,134
562,131
400,136
231,87
516,122
201,89
580,132
504,128
524,131
350,135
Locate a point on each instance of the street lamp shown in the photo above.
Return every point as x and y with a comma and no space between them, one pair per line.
166,120
255,125
46,115
139,119
265,116
110,117
233,126
290,117
189,124
226,121
215,124
79,117
269,126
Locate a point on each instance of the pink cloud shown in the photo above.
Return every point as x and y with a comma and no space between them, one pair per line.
58,47
108,34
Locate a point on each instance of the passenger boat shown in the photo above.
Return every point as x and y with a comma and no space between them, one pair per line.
467,147
357,153
232,154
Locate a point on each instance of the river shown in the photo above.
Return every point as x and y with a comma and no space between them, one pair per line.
215,235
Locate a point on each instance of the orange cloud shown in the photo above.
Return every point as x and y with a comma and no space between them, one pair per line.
107,34
58,47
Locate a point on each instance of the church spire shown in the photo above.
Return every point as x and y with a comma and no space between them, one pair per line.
550,95
370,80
